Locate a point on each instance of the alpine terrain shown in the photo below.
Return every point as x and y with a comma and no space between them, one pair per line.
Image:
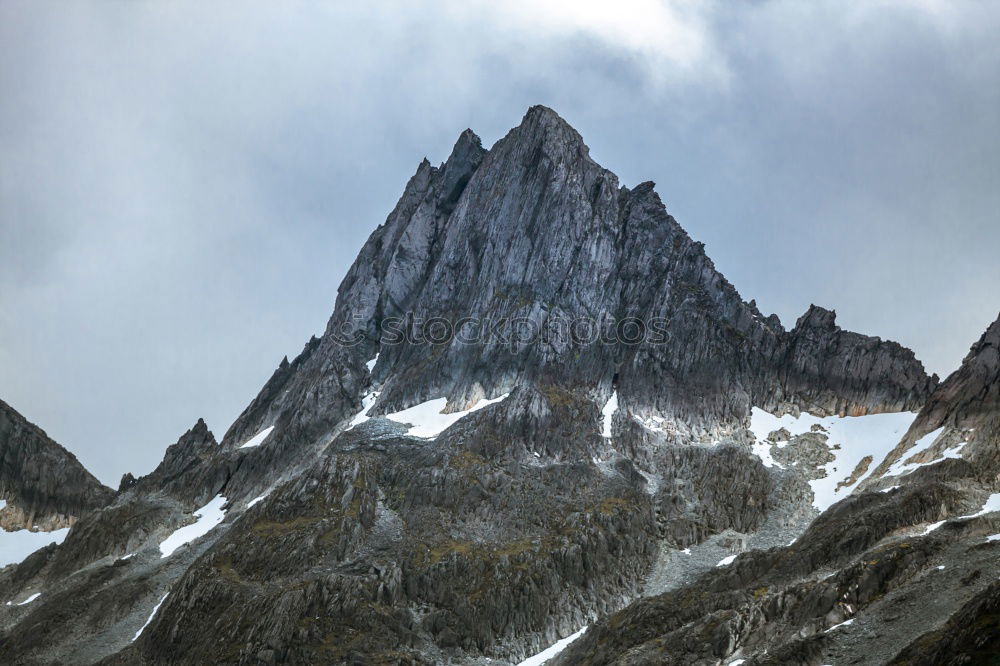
536,408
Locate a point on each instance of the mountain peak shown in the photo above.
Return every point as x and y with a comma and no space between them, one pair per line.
543,131
535,229
817,317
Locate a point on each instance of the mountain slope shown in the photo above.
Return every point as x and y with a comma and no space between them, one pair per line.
533,395
903,573
42,485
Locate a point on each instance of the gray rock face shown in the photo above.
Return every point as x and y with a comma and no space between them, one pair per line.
350,541
43,484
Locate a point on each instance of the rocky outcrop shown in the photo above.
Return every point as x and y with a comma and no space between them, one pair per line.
42,485
190,470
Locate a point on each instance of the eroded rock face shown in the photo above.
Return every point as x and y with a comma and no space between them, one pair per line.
43,485
350,541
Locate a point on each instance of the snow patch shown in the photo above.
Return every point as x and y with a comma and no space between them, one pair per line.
366,404
17,545
150,619
257,439
842,624
608,413
208,517
259,498
371,364
551,651
763,451
992,504
858,436
30,599
3,504
726,561
426,419
993,537
932,527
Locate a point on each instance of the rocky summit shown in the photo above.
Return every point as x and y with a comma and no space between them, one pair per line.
539,420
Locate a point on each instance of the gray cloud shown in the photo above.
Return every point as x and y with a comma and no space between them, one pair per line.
182,187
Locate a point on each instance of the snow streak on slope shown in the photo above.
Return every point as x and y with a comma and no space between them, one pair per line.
258,439
259,498
208,517
26,601
366,404
899,468
857,436
17,545
151,616
426,419
607,413
551,651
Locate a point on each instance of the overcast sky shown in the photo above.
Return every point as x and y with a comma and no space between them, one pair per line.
183,185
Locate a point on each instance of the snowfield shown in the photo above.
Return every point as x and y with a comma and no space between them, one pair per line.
858,436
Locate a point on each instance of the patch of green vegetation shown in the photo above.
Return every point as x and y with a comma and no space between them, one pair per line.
488,553
610,505
225,568
557,396
466,459
270,529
